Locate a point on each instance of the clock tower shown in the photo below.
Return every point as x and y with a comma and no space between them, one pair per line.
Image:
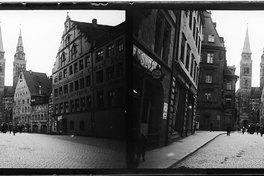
19,63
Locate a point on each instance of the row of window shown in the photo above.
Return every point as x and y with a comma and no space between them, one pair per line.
111,50
113,98
208,98
73,68
23,101
25,109
188,59
192,25
111,73
78,66
37,117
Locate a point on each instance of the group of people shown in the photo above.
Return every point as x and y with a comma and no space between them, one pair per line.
11,128
252,128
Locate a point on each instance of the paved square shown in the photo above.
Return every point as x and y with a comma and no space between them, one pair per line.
28,150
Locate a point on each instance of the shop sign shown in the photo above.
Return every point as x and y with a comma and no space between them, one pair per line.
165,111
157,73
144,59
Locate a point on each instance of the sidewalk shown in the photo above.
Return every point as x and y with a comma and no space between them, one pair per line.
168,156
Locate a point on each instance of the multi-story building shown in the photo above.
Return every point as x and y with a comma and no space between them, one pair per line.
186,73
153,44
88,79
166,48
31,101
7,101
216,96
19,63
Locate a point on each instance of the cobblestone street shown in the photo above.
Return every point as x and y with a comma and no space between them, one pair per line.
28,150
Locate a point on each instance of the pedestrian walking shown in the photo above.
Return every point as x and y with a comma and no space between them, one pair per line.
141,146
261,130
211,127
257,128
14,129
243,129
228,130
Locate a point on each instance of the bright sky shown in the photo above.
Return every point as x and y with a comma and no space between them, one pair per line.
232,26
41,34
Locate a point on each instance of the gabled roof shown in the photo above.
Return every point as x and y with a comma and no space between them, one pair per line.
90,30
36,79
110,34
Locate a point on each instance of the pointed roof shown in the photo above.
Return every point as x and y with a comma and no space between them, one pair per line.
246,48
19,42
1,42
36,79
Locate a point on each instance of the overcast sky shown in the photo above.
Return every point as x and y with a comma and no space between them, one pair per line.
232,26
41,34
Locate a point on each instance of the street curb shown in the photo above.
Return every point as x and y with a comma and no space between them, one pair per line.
181,159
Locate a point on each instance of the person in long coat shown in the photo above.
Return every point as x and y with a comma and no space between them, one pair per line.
228,130
141,146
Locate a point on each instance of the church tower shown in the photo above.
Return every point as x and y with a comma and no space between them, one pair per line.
246,66
262,71
2,65
19,63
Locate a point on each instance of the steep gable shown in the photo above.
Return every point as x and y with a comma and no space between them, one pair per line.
36,79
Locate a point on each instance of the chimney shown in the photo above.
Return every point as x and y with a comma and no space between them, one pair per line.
94,22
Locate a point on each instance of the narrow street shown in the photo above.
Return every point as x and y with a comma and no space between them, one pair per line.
28,150
234,151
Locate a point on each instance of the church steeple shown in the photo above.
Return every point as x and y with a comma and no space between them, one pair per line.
246,65
19,63
246,48
20,47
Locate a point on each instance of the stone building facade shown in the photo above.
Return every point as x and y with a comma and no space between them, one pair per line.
31,101
166,56
89,80
216,95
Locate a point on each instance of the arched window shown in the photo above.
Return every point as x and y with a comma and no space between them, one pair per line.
62,59
73,51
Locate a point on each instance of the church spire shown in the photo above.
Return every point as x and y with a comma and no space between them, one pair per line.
20,42
1,42
246,48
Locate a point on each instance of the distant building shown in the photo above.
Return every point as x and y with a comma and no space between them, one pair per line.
216,95
19,63
250,101
89,80
7,101
31,100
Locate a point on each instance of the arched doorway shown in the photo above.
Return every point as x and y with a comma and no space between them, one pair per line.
34,128
43,129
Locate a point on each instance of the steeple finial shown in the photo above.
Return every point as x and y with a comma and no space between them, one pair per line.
246,48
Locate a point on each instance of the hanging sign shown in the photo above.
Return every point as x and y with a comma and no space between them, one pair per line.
157,73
